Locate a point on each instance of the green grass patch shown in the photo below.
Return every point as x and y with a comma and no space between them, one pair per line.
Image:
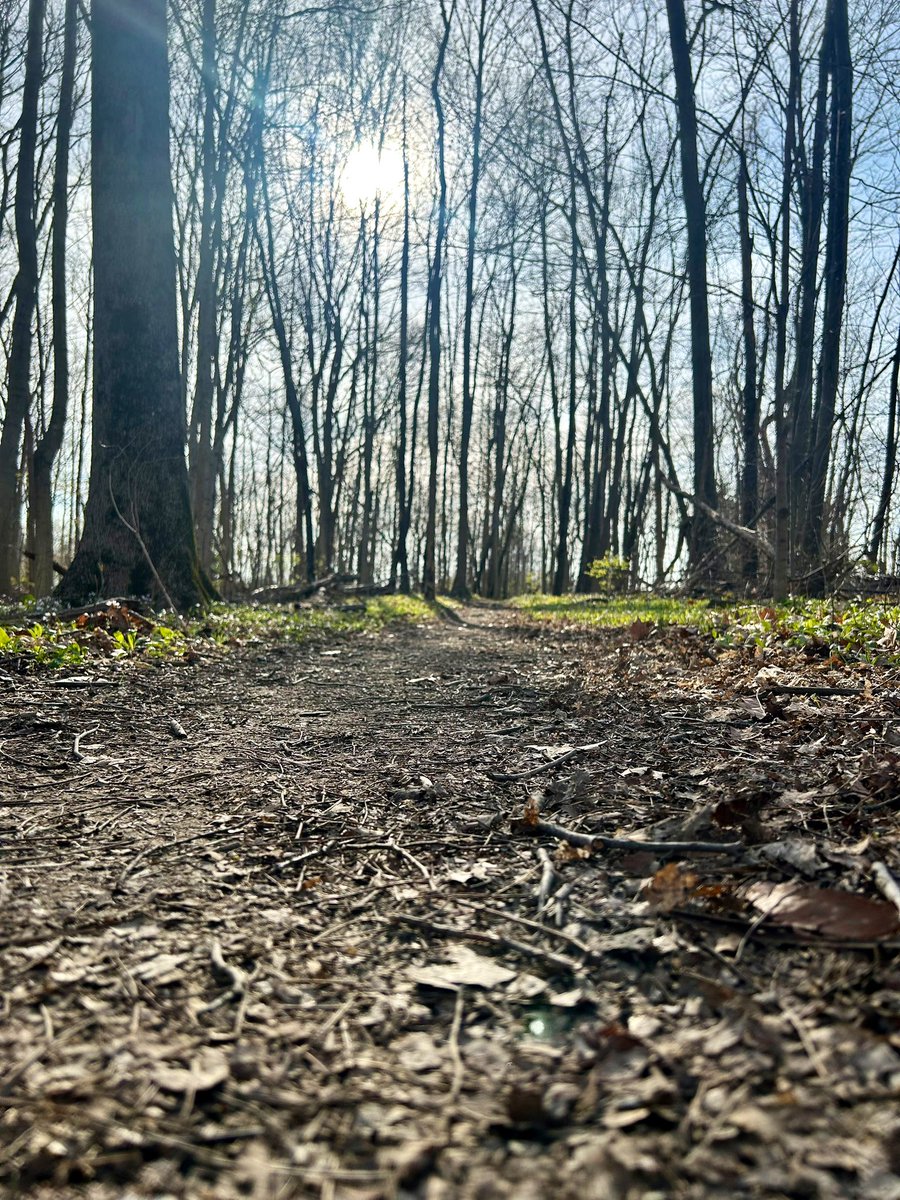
611,612
840,630
123,634
246,622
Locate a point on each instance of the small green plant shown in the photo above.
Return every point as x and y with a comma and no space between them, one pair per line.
611,573
861,631
126,640
10,643
53,644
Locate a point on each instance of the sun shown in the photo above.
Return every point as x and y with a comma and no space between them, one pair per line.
372,174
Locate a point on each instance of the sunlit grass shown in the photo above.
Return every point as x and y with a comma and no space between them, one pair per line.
53,644
840,630
610,612
245,622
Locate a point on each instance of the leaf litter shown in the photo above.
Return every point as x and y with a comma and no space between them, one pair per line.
518,912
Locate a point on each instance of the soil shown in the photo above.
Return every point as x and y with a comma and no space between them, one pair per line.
286,923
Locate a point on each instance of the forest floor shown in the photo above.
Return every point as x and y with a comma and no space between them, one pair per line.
308,921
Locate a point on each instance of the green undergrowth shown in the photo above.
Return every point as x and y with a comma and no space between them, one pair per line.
840,630
118,633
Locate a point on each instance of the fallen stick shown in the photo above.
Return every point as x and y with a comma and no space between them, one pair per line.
508,777
489,939
548,879
594,841
800,689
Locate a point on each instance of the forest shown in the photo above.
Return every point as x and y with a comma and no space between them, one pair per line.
449,623
468,295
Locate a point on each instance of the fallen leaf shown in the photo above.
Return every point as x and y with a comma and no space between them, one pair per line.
417,1052
466,969
207,1070
798,853
162,968
826,911
669,888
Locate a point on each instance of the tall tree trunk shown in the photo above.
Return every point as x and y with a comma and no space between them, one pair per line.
890,461
203,477
781,564
461,581
750,473
435,287
835,273
49,445
561,574
401,558
702,529
366,561
25,292
138,535
810,172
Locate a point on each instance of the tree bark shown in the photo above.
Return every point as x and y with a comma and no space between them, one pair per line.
401,557
435,286
49,445
138,535
25,292
750,472
835,273
702,530
890,461
203,477
461,582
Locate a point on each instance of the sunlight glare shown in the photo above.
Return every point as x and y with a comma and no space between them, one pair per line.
370,174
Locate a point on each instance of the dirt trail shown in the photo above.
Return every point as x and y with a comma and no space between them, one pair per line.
299,952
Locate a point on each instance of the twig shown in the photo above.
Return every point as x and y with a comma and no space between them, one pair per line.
751,536
392,845
223,972
527,923
559,900
548,878
146,553
508,777
799,689
886,884
595,841
491,939
458,1066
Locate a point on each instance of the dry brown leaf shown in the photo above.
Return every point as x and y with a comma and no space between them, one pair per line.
826,911
669,888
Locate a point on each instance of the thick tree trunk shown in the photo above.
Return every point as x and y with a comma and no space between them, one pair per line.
835,274
461,581
203,476
702,530
49,445
781,561
138,534
810,171
435,287
25,292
